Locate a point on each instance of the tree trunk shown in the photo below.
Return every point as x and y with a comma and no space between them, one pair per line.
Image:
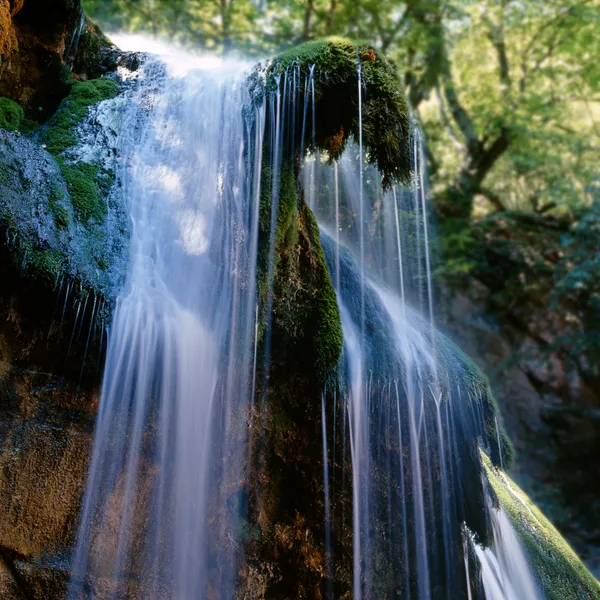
310,6
330,15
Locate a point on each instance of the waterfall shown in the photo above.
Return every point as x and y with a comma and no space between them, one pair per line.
170,441
190,346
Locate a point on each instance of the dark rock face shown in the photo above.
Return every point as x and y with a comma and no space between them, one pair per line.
45,442
46,424
40,41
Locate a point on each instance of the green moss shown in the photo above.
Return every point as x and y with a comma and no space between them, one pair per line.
329,340
558,569
45,263
85,182
11,115
60,131
92,51
470,377
59,212
81,179
305,311
385,113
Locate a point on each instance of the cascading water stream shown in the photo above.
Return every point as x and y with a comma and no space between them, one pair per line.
170,438
504,570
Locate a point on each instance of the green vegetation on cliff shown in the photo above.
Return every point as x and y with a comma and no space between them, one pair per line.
85,181
558,569
60,132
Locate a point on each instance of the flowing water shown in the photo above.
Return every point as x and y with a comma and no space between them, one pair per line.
410,401
504,569
165,490
170,437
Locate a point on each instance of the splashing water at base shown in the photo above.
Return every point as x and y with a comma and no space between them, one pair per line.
505,572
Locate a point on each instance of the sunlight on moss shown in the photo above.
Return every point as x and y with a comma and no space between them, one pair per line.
558,569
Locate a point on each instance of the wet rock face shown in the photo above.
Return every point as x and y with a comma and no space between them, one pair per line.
46,424
35,38
44,229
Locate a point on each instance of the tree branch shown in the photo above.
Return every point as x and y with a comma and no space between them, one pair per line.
445,121
486,160
555,22
330,15
310,5
496,37
493,198
459,114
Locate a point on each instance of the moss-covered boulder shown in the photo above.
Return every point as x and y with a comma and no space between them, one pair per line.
60,132
304,313
332,65
54,218
300,330
96,55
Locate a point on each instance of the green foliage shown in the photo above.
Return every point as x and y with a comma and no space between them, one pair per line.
575,293
215,25
81,181
558,569
11,115
542,273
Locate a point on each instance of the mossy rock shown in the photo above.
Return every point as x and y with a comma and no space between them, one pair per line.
83,191
96,54
11,115
305,313
472,379
59,133
559,571
85,182
386,123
